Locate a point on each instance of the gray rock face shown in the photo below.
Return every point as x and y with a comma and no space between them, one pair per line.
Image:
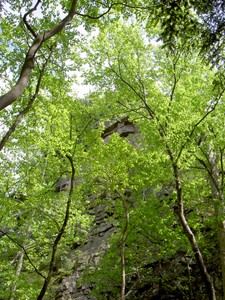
89,254
123,127
140,287
62,185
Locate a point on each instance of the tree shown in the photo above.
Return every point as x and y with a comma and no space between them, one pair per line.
179,19
35,219
50,136
164,102
38,39
28,65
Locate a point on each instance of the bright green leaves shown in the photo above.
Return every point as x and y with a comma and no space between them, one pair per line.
34,222
136,74
171,101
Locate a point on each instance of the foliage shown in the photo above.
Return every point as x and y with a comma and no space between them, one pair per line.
56,166
161,95
180,19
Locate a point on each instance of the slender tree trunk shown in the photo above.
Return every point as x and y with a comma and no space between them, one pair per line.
59,235
191,237
20,256
122,250
123,268
217,195
221,237
189,280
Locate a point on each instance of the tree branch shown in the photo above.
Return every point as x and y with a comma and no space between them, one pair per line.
25,252
189,233
97,17
198,123
21,114
25,18
115,4
175,81
60,233
17,90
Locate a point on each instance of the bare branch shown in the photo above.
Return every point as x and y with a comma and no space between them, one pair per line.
25,18
97,17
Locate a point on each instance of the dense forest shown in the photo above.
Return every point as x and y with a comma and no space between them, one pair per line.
112,150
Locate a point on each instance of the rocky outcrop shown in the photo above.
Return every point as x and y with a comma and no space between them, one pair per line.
176,278
89,254
123,127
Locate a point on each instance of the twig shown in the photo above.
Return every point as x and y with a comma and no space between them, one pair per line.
25,252
29,13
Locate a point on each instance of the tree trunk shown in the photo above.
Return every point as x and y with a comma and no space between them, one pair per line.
21,114
191,237
60,233
221,237
20,256
29,61
122,249
217,195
